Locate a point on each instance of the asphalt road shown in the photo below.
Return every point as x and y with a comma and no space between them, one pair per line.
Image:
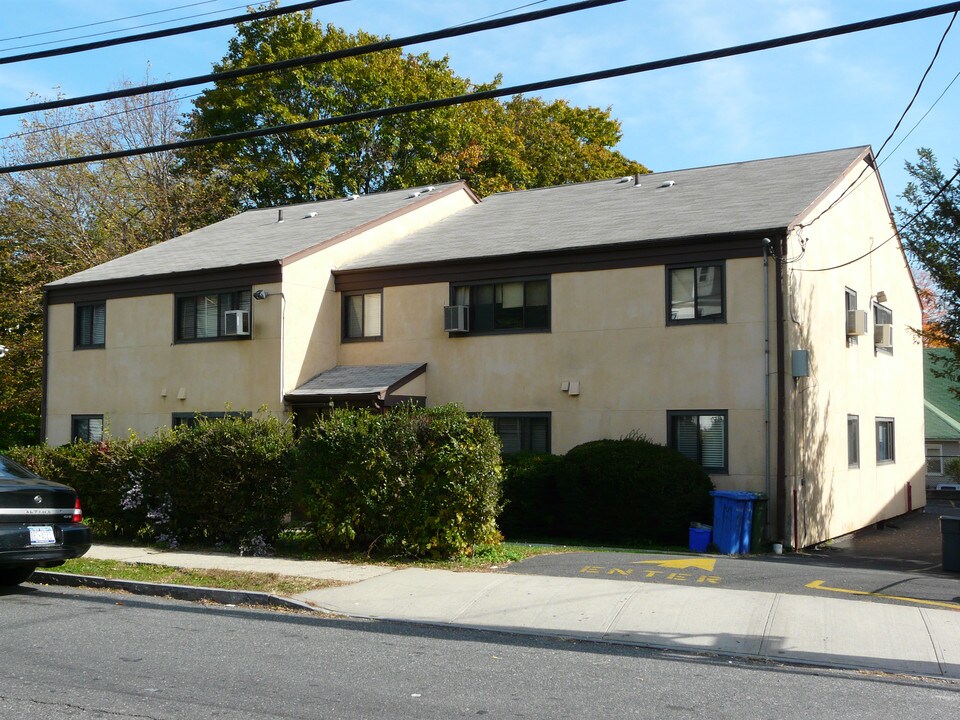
88,654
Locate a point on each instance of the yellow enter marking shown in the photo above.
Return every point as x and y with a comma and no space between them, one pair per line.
818,585
682,564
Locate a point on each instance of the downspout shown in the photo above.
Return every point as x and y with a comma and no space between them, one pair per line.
44,367
766,374
781,402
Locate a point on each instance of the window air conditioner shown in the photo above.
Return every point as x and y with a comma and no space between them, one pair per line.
236,322
856,322
883,336
456,318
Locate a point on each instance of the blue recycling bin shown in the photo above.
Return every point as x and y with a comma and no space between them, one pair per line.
732,521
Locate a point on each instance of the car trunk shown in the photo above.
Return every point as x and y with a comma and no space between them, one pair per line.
34,501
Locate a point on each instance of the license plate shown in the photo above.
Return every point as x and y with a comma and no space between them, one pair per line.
41,535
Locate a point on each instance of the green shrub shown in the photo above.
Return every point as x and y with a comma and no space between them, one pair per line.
414,481
952,469
530,495
220,482
630,491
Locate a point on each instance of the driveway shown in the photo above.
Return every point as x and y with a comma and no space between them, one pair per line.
897,562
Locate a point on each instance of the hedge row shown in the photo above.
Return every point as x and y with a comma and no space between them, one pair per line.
413,482
627,491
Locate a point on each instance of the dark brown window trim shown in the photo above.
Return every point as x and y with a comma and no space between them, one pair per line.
648,253
219,337
698,320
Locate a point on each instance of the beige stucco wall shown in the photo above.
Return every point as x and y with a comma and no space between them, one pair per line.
826,497
135,380
608,331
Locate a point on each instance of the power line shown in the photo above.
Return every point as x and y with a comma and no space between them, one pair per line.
916,216
501,92
856,180
183,97
314,59
233,20
106,22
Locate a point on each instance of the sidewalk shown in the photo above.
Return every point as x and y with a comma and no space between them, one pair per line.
792,628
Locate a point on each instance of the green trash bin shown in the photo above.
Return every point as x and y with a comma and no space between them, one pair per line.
760,503
950,537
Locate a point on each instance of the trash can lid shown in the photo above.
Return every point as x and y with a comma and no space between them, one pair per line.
735,495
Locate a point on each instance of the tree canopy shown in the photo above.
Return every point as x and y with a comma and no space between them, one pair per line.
930,230
58,221
493,145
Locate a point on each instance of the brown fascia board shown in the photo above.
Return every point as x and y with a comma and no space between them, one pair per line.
667,251
421,202
167,283
404,380
323,400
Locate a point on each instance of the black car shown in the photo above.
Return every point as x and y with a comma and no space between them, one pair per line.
41,523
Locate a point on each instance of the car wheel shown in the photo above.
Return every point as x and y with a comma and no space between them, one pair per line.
16,575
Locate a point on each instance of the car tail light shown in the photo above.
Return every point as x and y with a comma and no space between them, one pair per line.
77,512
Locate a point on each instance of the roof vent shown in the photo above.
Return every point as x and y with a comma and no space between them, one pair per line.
624,179
668,183
428,188
415,194
353,197
310,215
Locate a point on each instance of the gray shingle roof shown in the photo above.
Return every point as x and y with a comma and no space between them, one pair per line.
741,197
356,380
252,237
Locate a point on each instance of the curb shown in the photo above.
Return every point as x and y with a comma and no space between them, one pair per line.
177,592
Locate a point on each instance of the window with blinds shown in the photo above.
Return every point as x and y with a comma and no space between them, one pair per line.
885,441
363,315
90,325
200,317
695,294
701,436
86,428
853,441
514,306
522,432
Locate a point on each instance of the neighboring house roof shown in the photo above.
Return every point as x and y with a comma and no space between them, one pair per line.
255,237
941,406
357,382
759,196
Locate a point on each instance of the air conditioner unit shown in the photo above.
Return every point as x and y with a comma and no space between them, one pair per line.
456,318
236,322
883,336
856,322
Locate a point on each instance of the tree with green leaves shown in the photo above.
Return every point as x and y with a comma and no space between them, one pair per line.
930,230
517,144
58,221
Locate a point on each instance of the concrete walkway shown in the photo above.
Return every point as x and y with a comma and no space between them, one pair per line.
791,628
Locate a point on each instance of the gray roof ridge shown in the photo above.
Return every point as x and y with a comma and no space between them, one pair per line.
653,173
346,198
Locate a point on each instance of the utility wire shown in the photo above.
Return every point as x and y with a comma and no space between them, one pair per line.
106,22
314,59
501,92
856,180
182,97
168,32
916,216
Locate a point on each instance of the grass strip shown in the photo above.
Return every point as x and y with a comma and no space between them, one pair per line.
283,585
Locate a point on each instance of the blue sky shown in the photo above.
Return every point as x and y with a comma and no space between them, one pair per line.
823,95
